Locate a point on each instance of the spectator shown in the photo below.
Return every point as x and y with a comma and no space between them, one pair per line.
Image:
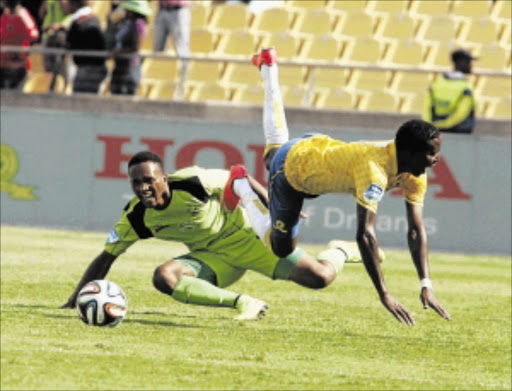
126,75
450,102
17,28
173,18
54,34
85,34
113,19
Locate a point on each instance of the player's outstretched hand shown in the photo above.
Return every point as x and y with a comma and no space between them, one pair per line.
398,311
429,301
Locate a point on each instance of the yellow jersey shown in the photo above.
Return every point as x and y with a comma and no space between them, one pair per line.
366,169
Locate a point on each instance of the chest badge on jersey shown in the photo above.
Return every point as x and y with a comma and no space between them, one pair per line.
374,193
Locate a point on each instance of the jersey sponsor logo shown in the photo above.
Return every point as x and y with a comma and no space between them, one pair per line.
374,193
279,225
113,236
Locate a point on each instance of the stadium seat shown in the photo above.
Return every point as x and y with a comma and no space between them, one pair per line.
406,52
323,47
286,44
208,91
379,101
502,108
204,71
335,98
441,54
396,26
355,24
143,89
441,28
380,7
201,41
369,80
502,10
36,62
493,56
229,17
307,3
473,8
237,43
241,74
199,15
147,42
414,103
409,82
364,50
162,90
156,68
329,77
290,75
253,94
429,8
316,21
101,9
494,86
294,96
39,83
342,7
479,31
273,20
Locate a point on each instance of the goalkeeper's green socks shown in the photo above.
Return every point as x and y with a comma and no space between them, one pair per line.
191,290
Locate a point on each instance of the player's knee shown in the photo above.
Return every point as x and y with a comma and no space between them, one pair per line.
321,279
165,278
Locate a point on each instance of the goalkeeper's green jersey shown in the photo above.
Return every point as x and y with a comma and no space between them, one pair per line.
193,217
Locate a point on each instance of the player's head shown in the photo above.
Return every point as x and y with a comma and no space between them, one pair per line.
418,144
148,179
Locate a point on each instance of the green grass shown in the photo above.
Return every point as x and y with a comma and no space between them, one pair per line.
337,338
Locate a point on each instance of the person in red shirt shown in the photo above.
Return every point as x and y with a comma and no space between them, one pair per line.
17,28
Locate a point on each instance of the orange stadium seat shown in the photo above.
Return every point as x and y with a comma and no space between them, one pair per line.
473,8
273,20
323,47
316,21
335,98
229,17
239,42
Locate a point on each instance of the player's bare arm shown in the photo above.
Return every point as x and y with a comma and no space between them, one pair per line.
369,247
97,270
417,240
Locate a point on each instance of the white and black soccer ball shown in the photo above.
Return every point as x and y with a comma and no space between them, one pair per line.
101,303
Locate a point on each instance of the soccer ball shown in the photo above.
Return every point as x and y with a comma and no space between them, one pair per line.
101,303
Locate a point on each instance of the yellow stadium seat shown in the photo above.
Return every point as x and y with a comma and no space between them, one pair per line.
199,15
201,41
409,82
369,80
253,94
355,24
162,90
237,43
286,44
430,8
292,75
387,7
273,20
379,101
441,54
39,83
473,8
414,103
494,86
208,91
441,28
480,30
147,42
307,3
316,21
241,74
346,5
502,10
294,96
330,77
230,17
494,57
406,52
365,49
336,98
502,108
396,26
143,89
159,68
204,71
323,47
36,62
101,8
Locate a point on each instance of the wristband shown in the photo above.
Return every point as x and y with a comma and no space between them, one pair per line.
426,283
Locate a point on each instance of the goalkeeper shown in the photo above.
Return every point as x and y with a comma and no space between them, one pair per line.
188,207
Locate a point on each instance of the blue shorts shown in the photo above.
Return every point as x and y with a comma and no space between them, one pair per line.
285,202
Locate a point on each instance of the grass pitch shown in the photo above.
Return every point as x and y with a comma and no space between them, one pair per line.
337,338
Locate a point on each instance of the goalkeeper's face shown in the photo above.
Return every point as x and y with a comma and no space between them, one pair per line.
149,183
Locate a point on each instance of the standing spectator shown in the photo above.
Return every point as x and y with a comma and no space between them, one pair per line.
85,34
126,75
450,102
17,28
173,18
54,26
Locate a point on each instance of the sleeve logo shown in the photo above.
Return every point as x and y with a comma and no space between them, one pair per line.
113,236
374,193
